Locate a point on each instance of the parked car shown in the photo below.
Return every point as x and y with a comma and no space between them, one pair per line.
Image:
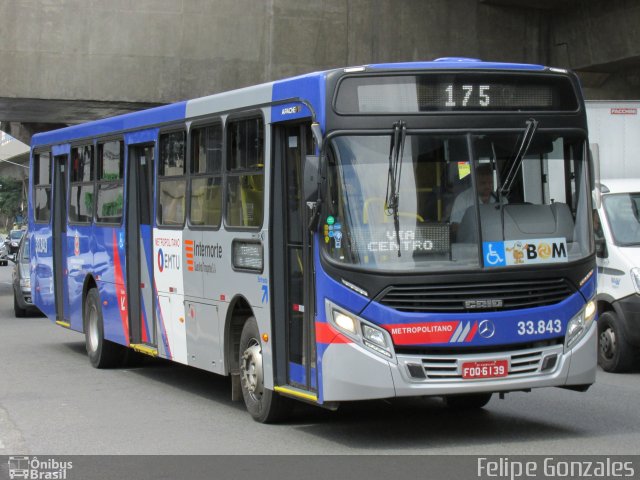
617,233
4,252
22,301
14,240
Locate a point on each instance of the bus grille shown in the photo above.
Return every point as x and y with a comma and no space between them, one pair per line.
469,297
521,363
447,368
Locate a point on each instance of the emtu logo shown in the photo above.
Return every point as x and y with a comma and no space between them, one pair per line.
168,261
160,260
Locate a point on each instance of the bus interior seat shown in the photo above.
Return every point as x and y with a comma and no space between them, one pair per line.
213,205
197,205
206,205
521,222
251,192
173,204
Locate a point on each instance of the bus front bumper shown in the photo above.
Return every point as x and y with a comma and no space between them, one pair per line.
350,372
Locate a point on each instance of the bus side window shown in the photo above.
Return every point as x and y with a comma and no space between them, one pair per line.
81,188
42,187
172,183
109,201
206,176
245,177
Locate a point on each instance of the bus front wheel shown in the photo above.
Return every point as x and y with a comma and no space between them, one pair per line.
264,405
102,353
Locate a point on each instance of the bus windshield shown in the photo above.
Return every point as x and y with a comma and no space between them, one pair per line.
531,203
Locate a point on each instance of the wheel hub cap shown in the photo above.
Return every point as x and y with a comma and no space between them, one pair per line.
93,329
251,369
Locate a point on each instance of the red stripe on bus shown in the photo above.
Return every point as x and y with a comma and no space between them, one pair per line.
421,333
123,307
325,333
472,333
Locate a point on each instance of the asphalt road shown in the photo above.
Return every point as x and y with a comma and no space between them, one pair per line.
53,402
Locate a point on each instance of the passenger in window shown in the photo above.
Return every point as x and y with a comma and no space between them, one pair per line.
464,200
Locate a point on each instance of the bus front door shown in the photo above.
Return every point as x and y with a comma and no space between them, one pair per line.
294,304
139,248
59,238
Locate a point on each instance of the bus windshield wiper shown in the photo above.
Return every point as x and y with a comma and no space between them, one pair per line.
396,151
532,125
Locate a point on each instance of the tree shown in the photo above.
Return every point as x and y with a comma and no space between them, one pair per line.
10,199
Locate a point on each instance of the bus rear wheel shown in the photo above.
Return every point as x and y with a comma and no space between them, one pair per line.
467,402
264,405
102,353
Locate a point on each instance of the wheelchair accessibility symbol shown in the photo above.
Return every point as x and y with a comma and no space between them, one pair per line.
494,255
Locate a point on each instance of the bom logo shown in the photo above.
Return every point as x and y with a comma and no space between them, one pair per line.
523,252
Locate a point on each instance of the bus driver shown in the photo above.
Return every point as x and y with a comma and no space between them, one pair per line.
464,200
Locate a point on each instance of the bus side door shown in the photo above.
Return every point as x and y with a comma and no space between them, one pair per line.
292,260
139,233
59,237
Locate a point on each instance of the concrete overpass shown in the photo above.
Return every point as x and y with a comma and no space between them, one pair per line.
14,163
68,61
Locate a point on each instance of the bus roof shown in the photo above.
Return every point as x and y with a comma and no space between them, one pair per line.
149,118
128,121
457,63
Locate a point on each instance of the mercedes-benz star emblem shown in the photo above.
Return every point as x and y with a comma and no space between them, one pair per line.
486,329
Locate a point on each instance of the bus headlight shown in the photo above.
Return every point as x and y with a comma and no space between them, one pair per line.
362,332
579,325
345,322
376,340
374,335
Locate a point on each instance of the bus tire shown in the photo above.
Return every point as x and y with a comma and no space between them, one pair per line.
102,353
470,401
614,352
264,405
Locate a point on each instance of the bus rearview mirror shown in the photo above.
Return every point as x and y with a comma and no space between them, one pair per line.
311,177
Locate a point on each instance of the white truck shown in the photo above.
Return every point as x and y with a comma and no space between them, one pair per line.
614,133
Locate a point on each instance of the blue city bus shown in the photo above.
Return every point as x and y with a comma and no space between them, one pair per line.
389,230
